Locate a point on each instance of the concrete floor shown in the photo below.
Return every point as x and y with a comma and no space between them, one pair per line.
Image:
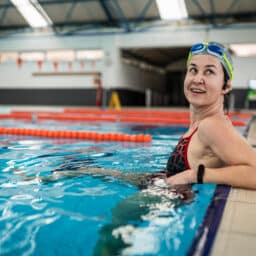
237,232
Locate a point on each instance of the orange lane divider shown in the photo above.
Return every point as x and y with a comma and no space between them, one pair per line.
240,114
146,112
129,112
16,116
72,117
154,120
110,112
176,121
77,135
105,118
69,117
113,112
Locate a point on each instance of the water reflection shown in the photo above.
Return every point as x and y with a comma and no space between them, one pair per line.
138,222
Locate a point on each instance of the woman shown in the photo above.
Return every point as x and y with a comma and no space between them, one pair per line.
211,151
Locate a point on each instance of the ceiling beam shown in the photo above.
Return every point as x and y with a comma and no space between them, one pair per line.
144,11
4,13
70,11
122,20
199,6
213,12
48,2
226,15
232,5
107,11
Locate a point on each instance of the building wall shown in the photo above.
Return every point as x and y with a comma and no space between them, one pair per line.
27,76
115,73
244,71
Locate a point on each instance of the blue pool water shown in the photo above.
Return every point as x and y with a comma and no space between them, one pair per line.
88,214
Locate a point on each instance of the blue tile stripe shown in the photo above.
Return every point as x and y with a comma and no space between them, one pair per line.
203,241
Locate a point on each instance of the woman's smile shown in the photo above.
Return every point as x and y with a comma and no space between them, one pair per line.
196,90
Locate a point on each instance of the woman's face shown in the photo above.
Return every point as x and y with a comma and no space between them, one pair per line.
203,85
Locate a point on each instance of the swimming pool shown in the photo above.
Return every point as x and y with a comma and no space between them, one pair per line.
93,214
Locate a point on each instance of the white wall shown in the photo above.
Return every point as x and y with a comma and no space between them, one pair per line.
244,68
11,76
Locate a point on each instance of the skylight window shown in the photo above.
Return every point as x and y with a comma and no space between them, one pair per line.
172,9
33,13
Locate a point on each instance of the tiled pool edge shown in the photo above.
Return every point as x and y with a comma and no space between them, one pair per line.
237,230
234,225
206,233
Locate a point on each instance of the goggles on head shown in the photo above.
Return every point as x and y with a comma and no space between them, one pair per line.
216,50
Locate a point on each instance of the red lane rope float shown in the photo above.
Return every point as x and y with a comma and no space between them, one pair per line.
116,113
72,117
128,112
124,112
77,134
27,115
104,118
146,112
155,120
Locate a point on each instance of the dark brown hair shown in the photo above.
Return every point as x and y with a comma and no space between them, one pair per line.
227,95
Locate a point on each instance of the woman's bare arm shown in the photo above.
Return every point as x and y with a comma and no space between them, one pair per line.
140,180
232,149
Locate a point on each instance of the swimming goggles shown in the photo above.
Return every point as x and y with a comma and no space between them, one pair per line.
216,50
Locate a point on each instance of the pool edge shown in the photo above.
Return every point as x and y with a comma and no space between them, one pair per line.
237,231
206,233
234,229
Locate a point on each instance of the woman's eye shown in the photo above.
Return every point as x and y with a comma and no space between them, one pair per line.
192,70
209,72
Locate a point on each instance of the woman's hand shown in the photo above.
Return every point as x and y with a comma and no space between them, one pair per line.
186,177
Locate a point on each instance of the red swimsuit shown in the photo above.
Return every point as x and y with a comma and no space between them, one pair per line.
178,160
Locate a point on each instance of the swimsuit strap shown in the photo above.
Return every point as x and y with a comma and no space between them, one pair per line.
188,139
178,160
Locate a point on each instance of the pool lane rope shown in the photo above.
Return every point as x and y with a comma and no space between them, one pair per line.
82,135
178,120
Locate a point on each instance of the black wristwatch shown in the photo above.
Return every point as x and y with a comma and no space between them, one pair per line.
200,174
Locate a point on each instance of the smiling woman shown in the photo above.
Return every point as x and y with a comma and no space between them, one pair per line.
211,151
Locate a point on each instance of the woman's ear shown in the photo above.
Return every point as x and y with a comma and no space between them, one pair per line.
227,87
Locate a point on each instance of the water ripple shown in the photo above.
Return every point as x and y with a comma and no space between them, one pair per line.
39,206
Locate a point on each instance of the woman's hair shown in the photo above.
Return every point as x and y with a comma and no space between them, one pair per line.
227,95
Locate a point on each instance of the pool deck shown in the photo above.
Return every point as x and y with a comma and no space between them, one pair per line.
237,231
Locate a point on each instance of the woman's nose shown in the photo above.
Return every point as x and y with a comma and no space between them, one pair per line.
198,78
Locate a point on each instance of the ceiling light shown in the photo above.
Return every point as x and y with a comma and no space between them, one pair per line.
244,50
172,9
33,13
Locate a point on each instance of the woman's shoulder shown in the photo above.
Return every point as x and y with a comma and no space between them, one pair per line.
214,126
214,122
